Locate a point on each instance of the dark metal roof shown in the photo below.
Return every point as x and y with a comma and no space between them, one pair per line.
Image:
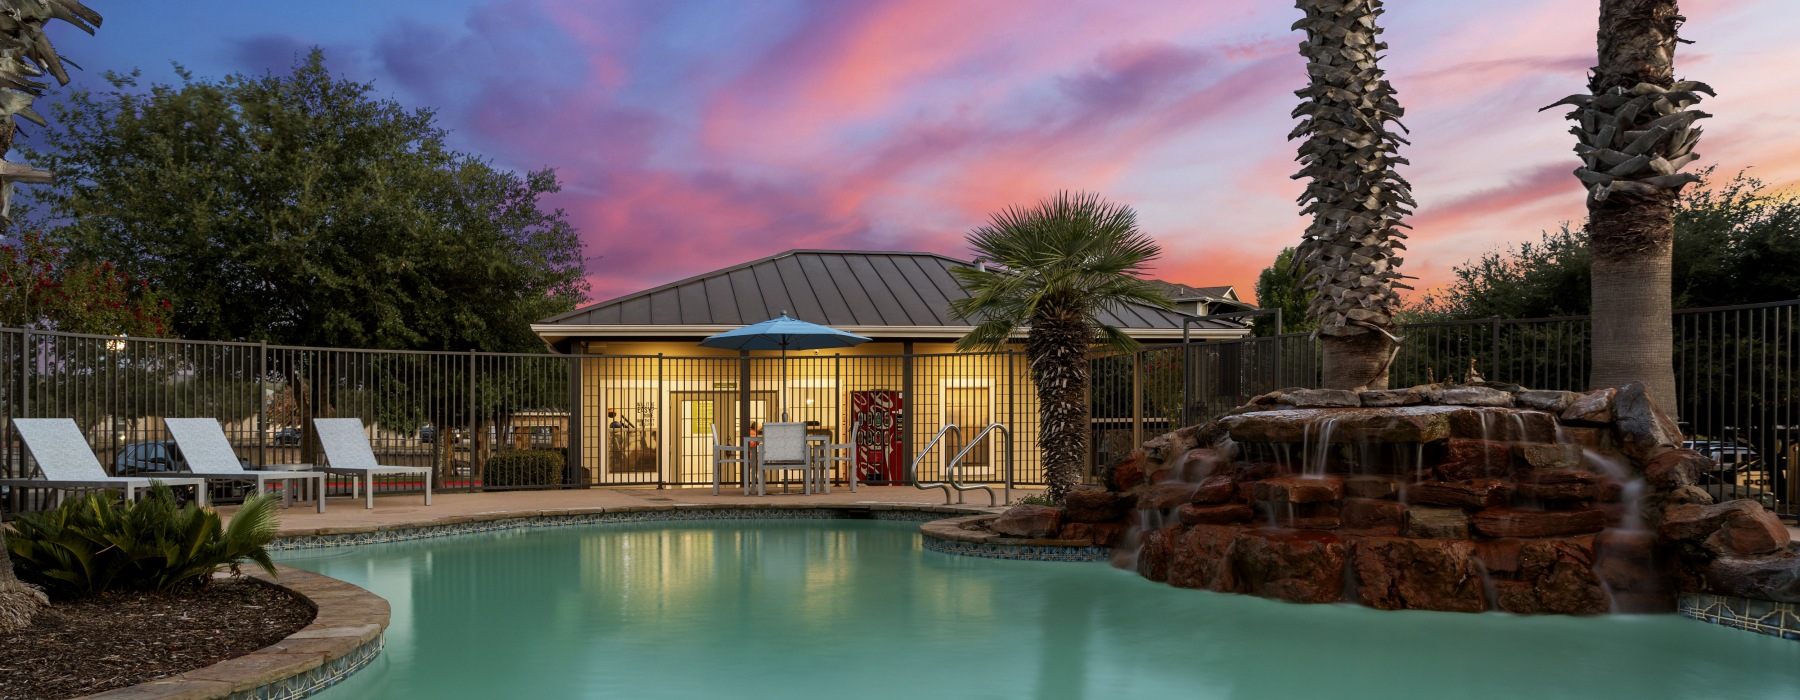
1183,292
837,288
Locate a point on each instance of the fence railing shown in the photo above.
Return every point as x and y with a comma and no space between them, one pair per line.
1737,372
649,420
613,420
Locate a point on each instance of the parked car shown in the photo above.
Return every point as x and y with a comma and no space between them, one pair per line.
287,436
428,435
1741,472
156,456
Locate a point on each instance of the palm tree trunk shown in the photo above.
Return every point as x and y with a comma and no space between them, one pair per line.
18,601
1356,362
1631,234
1354,193
1057,347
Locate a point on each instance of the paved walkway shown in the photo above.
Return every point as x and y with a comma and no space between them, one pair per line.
344,514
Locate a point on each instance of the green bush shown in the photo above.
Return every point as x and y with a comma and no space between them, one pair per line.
95,543
524,468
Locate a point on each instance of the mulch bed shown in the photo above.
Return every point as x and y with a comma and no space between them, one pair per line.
81,647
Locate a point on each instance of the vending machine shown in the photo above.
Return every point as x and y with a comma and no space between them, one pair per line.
879,415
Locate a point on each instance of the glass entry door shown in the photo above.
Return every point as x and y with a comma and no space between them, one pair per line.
697,414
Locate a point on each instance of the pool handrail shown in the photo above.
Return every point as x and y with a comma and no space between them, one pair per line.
913,470
1007,465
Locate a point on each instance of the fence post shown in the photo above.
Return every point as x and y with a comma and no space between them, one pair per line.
907,409
662,442
1137,399
574,432
1494,350
474,439
262,404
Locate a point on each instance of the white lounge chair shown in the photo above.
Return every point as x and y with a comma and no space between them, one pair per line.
784,449
68,464
347,451
209,456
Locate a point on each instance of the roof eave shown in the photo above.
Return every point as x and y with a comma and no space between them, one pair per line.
552,332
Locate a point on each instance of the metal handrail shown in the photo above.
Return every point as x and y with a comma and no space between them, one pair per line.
913,471
950,470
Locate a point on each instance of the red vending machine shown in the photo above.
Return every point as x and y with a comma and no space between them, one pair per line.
878,452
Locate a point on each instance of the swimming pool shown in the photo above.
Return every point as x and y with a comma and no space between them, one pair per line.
828,609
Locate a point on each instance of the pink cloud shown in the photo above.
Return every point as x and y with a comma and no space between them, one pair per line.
898,124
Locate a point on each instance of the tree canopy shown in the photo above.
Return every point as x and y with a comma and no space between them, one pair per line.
301,209
1734,244
1280,287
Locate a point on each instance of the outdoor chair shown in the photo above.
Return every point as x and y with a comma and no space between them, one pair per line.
784,449
209,456
347,452
68,464
834,453
724,454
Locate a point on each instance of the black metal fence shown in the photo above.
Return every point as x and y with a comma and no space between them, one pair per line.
1737,371
613,420
651,420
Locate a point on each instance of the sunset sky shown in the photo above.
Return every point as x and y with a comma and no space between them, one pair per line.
695,135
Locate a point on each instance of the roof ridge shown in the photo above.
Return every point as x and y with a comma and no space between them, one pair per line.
741,266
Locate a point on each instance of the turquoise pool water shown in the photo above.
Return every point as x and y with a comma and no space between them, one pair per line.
856,609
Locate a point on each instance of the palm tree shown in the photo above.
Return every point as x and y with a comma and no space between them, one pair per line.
1052,269
1354,195
26,54
1634,134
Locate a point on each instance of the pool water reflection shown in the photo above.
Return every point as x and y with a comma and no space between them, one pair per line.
829,609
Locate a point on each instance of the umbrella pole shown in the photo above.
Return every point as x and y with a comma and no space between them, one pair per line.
783,397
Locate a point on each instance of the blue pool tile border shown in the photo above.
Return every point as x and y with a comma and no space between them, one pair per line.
674,514
1017,551
1749,614
316,680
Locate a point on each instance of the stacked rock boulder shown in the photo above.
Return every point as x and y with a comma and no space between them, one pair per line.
1470,497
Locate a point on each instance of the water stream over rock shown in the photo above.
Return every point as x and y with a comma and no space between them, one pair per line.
1458,498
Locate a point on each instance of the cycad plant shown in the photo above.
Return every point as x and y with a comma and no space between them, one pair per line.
1051,270
96,543
1354,196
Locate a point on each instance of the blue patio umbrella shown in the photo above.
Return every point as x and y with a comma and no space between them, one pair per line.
784,334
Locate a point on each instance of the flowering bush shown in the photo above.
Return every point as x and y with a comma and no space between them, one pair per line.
41,288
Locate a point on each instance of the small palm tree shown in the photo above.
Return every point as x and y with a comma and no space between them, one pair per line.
1052,269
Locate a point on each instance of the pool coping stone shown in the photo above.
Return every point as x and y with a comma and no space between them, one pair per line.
345,635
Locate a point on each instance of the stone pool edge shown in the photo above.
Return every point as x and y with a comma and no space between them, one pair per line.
950,537
344,636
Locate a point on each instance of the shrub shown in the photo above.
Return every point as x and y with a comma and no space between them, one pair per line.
95,543
524,468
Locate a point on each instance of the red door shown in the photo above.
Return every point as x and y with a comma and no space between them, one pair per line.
878,439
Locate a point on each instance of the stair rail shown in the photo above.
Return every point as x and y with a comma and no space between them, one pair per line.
1007,466
913,470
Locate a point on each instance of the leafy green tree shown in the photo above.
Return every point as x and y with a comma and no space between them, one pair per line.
1734,244
301,209
1280,286
1052,269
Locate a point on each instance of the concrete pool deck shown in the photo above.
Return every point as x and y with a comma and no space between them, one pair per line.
344,514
